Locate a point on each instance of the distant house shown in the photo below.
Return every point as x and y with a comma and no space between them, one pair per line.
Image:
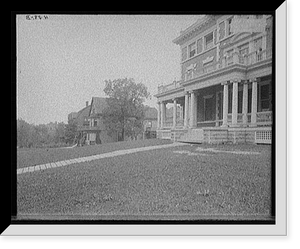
150,122
91,129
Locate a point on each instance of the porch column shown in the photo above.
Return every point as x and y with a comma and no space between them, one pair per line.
159,115
174,112
234,102
163,114
186,109
254,102
192,118
225,104
195,110
245,102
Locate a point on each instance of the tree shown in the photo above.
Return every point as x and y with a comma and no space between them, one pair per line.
70,132
125,110
23,133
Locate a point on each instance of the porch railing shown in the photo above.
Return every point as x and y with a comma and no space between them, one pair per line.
264,118
173,85
169,123
210,123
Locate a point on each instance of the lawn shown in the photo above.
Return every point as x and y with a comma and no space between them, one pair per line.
184,182
34,156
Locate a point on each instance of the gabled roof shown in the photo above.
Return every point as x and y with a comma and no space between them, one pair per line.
98,104
82,114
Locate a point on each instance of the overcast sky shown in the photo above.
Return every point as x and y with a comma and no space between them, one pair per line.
63,61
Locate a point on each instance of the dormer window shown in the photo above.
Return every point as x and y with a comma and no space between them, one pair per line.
192,49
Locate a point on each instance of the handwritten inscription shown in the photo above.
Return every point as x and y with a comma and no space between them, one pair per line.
36,17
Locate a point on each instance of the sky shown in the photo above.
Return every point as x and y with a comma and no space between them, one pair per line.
64,60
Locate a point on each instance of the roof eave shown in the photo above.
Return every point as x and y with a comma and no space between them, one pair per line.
192,29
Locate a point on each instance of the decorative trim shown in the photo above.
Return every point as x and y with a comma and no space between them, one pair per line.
225,83
208,59
191,67
236,81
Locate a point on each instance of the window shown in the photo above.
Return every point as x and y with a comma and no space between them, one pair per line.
192,49
86,122
221,30
264,97
184,54
209,40
199,46
95,122
229,21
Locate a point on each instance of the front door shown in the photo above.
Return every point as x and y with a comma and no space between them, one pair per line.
209,108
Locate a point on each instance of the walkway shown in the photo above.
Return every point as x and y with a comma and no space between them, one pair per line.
92,158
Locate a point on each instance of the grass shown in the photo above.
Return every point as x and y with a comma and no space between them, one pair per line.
160,183
34,156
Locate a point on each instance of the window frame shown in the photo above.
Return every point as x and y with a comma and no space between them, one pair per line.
194,50
211,43
269,99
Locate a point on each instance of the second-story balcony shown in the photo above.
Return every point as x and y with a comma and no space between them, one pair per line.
246,60
169,87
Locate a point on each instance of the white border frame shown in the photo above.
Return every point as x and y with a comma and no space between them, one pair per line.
280,228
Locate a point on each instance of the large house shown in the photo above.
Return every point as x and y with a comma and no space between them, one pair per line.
225,91
91,129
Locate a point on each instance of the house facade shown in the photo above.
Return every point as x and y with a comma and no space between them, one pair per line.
91,129
225,91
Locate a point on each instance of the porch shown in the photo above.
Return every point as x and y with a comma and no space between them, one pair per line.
227,111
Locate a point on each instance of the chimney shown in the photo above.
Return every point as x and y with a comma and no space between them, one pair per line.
86,103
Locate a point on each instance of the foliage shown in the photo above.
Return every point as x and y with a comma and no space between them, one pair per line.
42,135
125,111
70,132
